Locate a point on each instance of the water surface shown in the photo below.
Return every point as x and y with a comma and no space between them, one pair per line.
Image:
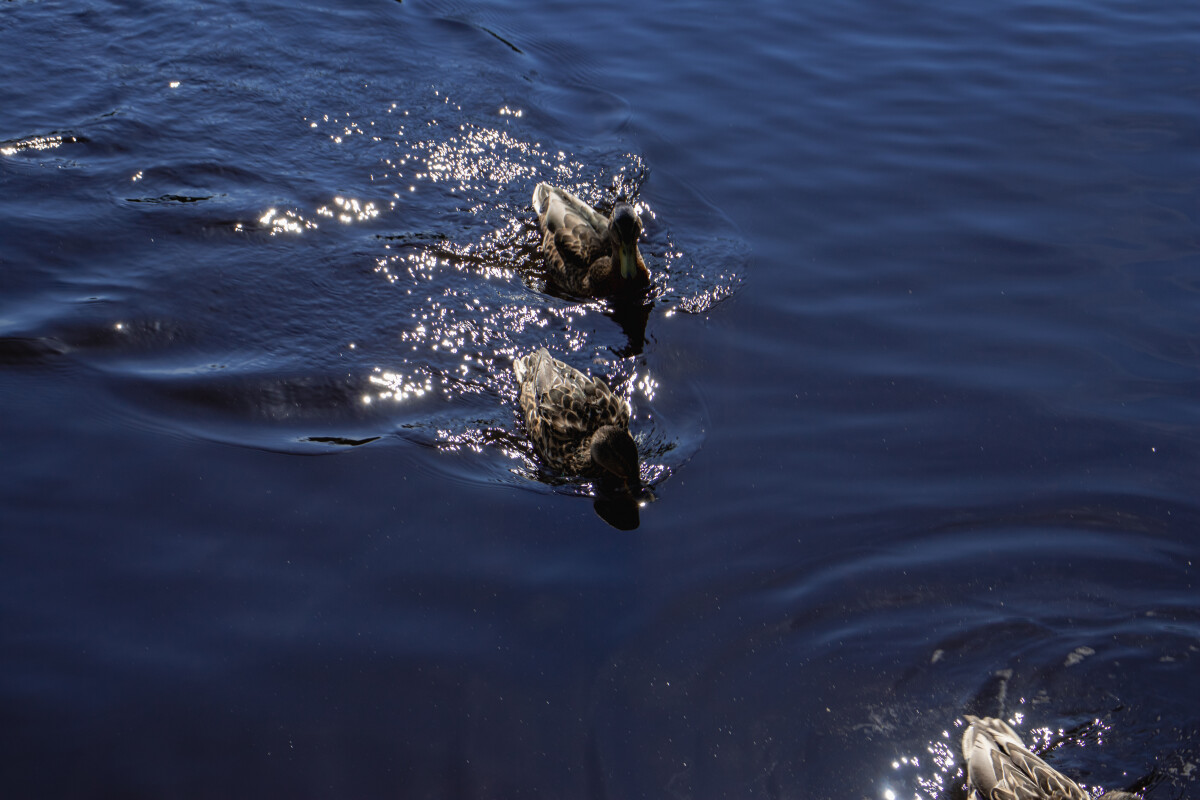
915,391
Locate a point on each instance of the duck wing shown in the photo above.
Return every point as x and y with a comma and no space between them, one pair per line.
577,248
574,236
573,400
1000,767
554,206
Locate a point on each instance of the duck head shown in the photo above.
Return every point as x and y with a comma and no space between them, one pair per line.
623,232
614,450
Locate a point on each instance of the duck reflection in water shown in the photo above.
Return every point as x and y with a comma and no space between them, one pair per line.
631,313
619,510
579,427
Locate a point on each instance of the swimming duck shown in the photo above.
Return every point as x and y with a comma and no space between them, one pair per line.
1000,767
575,422
589,254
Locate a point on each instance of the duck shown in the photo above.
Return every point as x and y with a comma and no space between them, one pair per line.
1000,767
576,423
589,254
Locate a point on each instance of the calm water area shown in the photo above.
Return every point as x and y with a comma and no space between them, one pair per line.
916,391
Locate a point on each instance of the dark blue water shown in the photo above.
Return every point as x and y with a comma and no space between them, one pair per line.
917,392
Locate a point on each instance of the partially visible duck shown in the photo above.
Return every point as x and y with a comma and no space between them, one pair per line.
1000,767
589,254
575,421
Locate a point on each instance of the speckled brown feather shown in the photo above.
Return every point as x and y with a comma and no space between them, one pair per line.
563,408
1000,767
576,244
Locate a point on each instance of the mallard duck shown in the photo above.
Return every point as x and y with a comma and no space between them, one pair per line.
589,254
575,422
1000,767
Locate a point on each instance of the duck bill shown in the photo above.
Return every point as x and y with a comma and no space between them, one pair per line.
628,256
